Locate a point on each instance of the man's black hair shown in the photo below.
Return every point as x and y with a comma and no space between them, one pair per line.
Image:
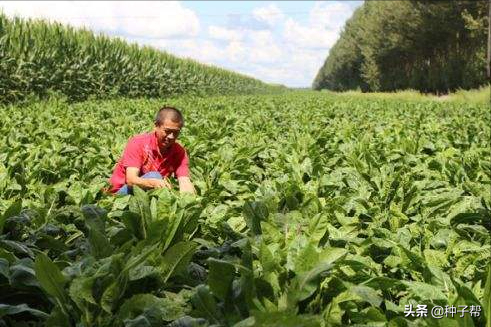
167,112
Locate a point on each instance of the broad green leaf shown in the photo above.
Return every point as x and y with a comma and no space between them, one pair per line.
57,319
81,291
187,321
112,294
51,280
307,258
245,288
95,217
279,319
137,259
254,213
384,283
220,276
153,209
140,204
176,259
436,258
6,309
155,310
367,294
332,254
375,314
140,321
268,261
142,271
22,274
99,244
318,227
174,228
440,278
416,260
424,291
206,305
4,268
14,210
17,248
306,283
135,224
467,218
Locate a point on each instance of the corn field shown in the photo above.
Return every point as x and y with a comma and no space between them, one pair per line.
38,58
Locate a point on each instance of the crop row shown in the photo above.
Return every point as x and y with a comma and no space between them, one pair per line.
38,58
312,210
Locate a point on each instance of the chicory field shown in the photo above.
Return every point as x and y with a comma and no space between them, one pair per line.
312,210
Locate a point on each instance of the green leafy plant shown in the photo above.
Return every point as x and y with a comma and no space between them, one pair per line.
312,210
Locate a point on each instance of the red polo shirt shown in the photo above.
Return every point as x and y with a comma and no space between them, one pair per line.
142,152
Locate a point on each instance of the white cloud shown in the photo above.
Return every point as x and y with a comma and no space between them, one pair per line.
330,15
235,51
256,47
322,30
296,69
313,37
263,47
222,33
261,37
270,14
150,19
308,43
202,50
265,55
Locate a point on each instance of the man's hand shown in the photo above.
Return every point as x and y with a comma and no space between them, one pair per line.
156,183
185,185
132,179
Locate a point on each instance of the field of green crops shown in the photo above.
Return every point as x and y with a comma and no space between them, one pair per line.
39,58
312,210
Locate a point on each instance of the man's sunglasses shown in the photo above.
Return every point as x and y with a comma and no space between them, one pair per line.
168,131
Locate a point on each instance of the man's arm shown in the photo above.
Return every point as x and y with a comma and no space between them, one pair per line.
185,185
132,179
182,174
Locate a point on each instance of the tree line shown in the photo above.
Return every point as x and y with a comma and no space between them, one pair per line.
430,46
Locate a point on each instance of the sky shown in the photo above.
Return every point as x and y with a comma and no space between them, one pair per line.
284,42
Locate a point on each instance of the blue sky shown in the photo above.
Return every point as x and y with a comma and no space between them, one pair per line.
282,42
298,9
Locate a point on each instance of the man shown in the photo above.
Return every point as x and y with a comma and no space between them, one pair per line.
150,158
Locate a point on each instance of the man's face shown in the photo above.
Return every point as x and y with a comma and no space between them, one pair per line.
167,133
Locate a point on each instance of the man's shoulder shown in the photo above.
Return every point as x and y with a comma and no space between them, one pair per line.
140,138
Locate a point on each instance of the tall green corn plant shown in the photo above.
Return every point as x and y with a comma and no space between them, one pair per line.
40,57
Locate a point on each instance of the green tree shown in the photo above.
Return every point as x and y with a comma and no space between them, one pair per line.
423,45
